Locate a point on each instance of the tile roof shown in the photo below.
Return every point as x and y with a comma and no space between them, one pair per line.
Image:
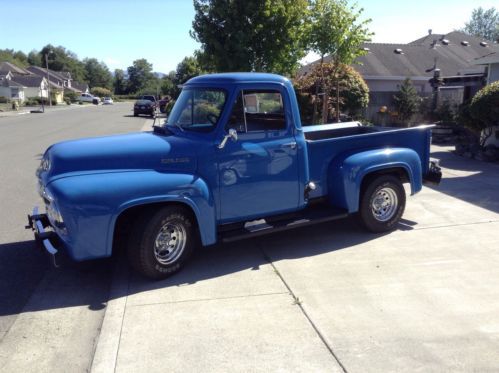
419,57
33,81
53,75
5,67
81,87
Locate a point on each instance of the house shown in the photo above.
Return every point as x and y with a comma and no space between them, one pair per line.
452,55
12,90
81,87
34,85
58,81
491,62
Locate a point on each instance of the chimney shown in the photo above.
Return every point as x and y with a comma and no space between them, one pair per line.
430,31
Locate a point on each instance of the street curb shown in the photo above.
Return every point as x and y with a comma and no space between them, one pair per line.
106,351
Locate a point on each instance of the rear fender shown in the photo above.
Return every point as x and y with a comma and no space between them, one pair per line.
346,173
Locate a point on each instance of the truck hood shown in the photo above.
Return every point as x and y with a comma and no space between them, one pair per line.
136,151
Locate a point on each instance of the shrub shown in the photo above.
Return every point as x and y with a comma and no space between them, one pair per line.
32,101
71,96
4,100
100,92
484,110
353,90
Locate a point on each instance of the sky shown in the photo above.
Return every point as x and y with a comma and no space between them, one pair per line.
121,31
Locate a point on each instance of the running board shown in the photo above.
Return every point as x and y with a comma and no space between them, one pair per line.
309,216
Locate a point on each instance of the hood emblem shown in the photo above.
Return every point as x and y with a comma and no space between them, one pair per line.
175,160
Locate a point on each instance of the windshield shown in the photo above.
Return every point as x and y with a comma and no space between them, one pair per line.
197,109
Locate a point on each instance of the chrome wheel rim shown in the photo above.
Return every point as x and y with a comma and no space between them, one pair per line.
170,243
384,204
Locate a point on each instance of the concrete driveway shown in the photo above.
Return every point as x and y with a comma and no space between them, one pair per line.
330,297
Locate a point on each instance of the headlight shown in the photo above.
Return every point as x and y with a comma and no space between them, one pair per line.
53,212
45,164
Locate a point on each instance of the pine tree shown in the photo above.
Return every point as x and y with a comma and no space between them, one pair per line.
407,101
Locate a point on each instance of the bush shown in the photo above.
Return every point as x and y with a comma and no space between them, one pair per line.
39,100
354,93
484,110
100,92
4,100
31,101
71,96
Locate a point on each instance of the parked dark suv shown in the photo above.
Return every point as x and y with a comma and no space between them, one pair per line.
145,105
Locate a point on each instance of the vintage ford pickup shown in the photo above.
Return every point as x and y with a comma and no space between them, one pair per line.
232,161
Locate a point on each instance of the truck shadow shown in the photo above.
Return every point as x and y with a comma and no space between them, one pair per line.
30,284
225,259
469,180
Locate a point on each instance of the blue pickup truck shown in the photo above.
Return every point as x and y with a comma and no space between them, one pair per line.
232,161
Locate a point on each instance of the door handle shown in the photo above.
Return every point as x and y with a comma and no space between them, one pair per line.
291,145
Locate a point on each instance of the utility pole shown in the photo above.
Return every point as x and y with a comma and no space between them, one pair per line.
48,79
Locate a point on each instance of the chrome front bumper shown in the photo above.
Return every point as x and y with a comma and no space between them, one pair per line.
44,237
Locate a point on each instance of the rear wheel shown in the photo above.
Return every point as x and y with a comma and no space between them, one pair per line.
382,203
162,241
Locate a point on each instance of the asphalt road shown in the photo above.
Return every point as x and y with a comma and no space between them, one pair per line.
61,310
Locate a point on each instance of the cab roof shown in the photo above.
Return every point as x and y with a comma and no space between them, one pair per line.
238,78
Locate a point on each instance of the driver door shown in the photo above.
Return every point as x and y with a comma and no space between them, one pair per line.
258,173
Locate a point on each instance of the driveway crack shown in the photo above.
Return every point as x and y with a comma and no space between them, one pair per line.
298,302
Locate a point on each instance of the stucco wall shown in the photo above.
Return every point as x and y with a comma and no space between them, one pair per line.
34,92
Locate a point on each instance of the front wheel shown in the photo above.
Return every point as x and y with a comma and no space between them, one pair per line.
162,241
382,203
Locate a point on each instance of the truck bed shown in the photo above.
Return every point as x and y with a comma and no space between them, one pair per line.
326,142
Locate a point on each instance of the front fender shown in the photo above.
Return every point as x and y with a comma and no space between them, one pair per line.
347,171
90,205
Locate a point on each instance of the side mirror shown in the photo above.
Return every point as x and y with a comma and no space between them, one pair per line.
231,135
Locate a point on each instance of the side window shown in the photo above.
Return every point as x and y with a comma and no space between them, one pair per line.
258,111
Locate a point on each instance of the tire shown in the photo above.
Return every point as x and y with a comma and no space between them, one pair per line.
135,114
162,241
382,204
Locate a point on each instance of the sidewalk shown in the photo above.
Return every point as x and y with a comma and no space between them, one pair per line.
27,110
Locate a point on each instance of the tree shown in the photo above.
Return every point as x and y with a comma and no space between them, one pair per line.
484,24
407,101
484,110
241,35
168,85
140,75
335,30
97,73
188,68
354,93
34,58
119,82
17,58
61,59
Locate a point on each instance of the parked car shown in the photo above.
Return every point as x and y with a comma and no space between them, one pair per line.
143,106
233,150
86,97
107,101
